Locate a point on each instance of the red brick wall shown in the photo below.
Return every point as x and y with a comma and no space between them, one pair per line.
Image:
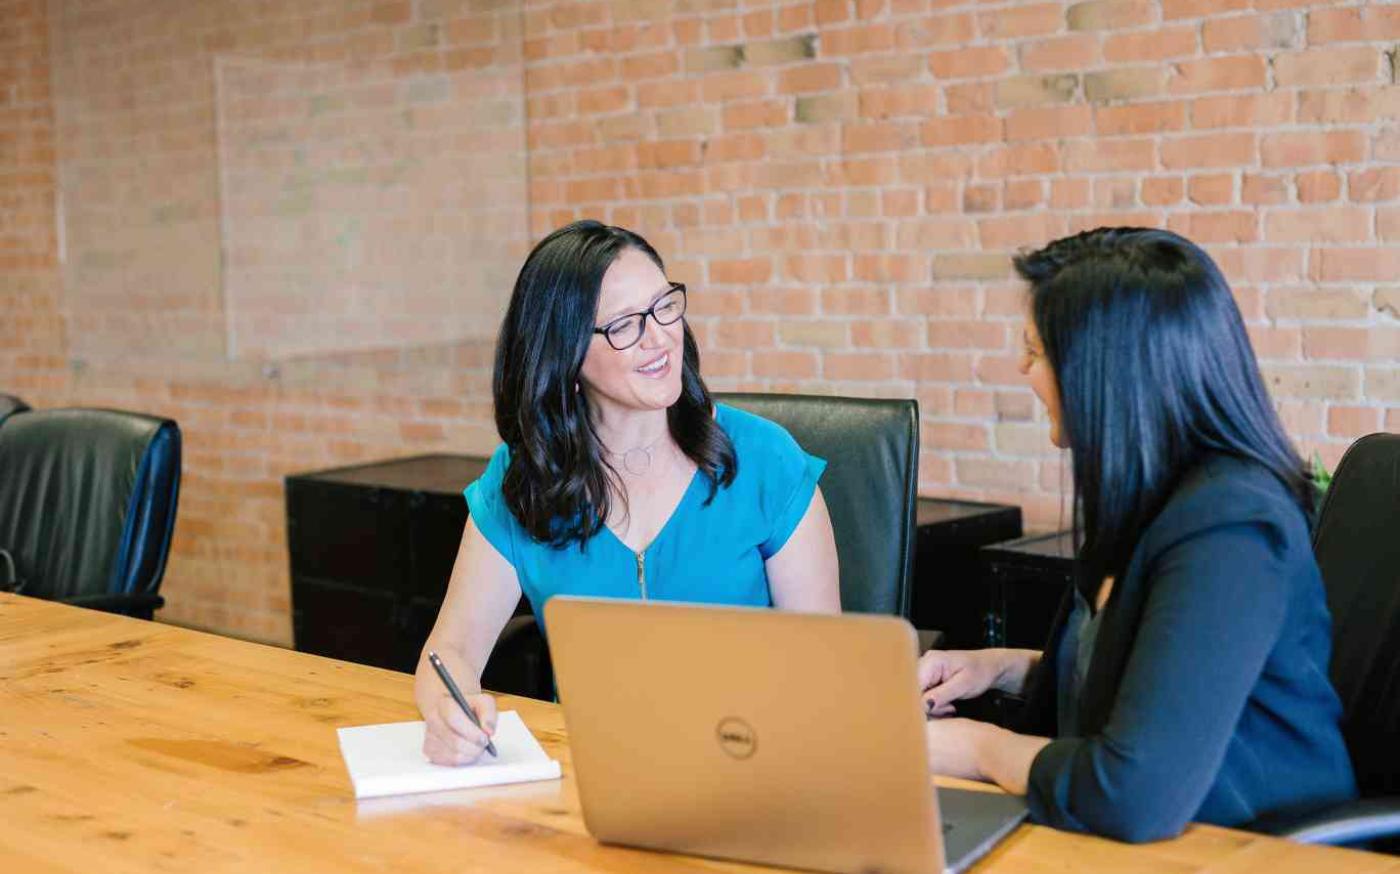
841,181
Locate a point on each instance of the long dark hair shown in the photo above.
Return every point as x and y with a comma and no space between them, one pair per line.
1155,370
559,483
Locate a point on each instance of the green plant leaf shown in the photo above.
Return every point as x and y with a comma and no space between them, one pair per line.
1321,478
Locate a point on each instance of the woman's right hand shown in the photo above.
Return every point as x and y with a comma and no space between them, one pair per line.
451,739
480,597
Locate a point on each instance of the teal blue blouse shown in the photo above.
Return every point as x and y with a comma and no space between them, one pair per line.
705,553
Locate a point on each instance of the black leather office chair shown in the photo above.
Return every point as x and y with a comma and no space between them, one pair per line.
9,405
520,662
1357,543
87,506
871,483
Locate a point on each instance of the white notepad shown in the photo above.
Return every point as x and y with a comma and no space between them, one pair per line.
388,759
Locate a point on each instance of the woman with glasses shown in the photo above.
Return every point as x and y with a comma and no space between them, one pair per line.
618,476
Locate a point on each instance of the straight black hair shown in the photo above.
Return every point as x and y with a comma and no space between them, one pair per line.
560,485
1155,370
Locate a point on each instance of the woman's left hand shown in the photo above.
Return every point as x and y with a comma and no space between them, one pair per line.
953,747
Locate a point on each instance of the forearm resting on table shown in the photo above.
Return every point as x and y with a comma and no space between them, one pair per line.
1004,757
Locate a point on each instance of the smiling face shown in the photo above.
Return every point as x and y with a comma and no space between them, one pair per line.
1037,370
646,375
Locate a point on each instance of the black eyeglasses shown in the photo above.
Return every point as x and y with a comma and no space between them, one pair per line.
626,331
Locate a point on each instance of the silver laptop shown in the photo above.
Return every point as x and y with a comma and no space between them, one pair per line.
783,738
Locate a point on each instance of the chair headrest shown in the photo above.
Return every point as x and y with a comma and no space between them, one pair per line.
871,446
9,405
80,492
1357,543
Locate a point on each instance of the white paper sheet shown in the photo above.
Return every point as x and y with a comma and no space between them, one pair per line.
388,759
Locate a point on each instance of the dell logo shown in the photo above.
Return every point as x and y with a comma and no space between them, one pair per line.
736,737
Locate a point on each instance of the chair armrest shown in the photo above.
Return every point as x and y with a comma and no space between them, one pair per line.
142,605
1354,822
519,663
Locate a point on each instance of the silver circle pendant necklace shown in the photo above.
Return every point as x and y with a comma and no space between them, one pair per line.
637,460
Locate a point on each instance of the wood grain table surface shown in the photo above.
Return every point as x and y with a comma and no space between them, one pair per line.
137,746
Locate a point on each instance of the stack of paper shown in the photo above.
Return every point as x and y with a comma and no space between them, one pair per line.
388,759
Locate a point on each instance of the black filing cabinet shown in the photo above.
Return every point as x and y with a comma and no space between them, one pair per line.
949,592
1026,580
372,548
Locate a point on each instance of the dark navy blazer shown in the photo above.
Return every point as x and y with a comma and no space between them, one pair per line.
1207,696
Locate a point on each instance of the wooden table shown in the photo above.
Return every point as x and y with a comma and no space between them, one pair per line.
135,746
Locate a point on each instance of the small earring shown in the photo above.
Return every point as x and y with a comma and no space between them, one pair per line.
575,388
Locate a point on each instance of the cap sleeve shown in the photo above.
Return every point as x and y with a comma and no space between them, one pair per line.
790,480
487,508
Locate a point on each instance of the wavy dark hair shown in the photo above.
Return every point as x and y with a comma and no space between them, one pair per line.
1155,370
559,483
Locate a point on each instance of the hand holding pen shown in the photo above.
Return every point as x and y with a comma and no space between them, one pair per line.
459,726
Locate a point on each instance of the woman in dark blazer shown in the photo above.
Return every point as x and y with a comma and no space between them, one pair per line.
1186,675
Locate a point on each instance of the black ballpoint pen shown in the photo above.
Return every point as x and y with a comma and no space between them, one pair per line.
457,696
